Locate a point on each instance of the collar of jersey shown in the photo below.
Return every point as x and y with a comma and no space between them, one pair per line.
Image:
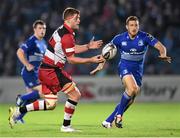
69,29
128,37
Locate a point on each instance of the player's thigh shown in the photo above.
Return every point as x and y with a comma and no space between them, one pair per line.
28,90
68,86
72,91
130,84
38,88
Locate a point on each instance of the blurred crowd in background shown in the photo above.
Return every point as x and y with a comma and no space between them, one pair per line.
100,18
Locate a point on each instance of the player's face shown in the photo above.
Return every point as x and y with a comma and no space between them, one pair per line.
75,21
133,28
40,31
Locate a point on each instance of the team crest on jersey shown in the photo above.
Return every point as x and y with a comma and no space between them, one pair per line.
125,71
140,43
124,43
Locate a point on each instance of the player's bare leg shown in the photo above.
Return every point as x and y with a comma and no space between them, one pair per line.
48,103
73,97
131,89
32,95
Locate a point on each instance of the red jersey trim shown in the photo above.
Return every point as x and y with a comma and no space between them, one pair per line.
69,29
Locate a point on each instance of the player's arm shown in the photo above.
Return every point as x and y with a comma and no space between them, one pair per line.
91,45
162,51
22,57
98,68
81,48
77,60
115,41
70,49
152,41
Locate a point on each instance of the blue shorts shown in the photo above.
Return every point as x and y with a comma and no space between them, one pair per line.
133,68
30,78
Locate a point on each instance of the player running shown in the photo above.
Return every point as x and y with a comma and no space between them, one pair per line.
30,54
132,46
53,77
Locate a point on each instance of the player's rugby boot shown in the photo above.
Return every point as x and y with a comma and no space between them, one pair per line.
13,114
118,121
69,129
106,124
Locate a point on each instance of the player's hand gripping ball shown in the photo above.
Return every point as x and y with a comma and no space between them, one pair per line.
109,51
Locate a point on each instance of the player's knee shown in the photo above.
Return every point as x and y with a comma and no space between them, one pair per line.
50,105
68,88
51,101
78,95
133,90
72,91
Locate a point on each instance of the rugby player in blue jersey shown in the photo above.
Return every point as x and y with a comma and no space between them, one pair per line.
30,53
132,46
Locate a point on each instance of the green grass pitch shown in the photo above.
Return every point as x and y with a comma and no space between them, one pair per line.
141,120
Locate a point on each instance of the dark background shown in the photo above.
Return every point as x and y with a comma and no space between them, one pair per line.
100,18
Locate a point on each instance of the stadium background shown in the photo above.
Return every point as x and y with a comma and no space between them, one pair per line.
102,19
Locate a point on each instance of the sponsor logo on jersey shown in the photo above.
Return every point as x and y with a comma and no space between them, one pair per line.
38,54
124,43
133,49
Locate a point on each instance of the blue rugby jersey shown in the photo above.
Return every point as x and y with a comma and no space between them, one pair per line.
133,49
34,50
132,53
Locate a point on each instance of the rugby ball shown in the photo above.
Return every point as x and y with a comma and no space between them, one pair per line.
109,51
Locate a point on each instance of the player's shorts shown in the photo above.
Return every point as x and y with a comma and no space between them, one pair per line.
30,78
133,68
52,78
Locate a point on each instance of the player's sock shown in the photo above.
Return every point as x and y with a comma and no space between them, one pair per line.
130,103
34,95
111,117
35,106
123,103
20,117
68,111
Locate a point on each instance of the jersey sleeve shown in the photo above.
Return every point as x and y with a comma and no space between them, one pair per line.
116,41
27,46
151,40
68,44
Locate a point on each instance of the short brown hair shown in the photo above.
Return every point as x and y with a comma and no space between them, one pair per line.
41,22
132,18
69,12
